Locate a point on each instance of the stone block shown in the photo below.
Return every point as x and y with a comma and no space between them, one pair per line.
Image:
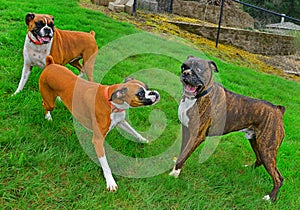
129,7
102,2
120,2
149,5
115,7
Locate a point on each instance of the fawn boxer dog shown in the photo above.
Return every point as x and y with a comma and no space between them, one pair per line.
208,109
43,38
97,107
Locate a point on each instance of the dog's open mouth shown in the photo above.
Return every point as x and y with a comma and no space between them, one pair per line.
190,89
44,39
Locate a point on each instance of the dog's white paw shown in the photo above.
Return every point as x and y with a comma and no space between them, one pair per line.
16,92
143,140
48,116
175,172
111,185
266,198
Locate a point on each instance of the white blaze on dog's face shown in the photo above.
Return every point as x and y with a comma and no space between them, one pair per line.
133,93
40,26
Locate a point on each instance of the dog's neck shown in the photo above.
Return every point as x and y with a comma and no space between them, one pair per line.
113,107
33,40
204,92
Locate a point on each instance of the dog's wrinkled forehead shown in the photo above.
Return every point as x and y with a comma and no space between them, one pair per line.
130,80
195,64
39,20
198,65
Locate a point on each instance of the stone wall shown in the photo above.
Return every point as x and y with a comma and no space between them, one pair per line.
251,41
232,16
102,2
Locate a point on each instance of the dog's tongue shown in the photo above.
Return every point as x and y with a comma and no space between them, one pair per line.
44,39
191,89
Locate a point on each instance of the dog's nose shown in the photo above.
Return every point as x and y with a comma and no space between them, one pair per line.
187,72
154,93
153,96
47,31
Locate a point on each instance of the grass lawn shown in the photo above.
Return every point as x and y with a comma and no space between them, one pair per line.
47,165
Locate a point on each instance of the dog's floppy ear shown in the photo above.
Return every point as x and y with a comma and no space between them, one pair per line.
127,79
213,66
29,17
190,56
118,94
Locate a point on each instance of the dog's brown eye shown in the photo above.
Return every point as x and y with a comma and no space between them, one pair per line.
184,67
39,24
51,25
141,94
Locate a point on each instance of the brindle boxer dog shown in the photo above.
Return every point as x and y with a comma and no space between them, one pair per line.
208,109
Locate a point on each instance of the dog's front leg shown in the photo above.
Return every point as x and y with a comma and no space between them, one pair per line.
185,137
25,75
124,125
99,147
190,141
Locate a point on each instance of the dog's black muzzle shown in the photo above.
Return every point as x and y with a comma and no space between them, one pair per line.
189,77
151,98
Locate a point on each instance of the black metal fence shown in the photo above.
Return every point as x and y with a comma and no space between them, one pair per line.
259,24
269,16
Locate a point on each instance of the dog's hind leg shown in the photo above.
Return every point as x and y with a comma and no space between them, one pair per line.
250,135
269,161
89,59
269,141
48,104
98,141
75,63
255,149
48,99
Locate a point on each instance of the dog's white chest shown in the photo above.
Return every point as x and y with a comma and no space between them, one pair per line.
116,117
35,55
185,105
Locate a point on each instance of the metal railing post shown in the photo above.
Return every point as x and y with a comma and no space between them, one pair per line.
220,22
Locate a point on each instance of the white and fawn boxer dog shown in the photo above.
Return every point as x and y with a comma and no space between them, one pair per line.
65,46
97,107
208,109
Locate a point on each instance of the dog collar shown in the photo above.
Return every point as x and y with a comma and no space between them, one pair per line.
113,107
34,41
203,93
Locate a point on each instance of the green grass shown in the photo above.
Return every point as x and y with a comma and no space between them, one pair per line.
43,165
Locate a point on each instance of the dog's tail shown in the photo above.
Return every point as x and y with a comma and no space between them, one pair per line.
49,60
282,109
93,33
